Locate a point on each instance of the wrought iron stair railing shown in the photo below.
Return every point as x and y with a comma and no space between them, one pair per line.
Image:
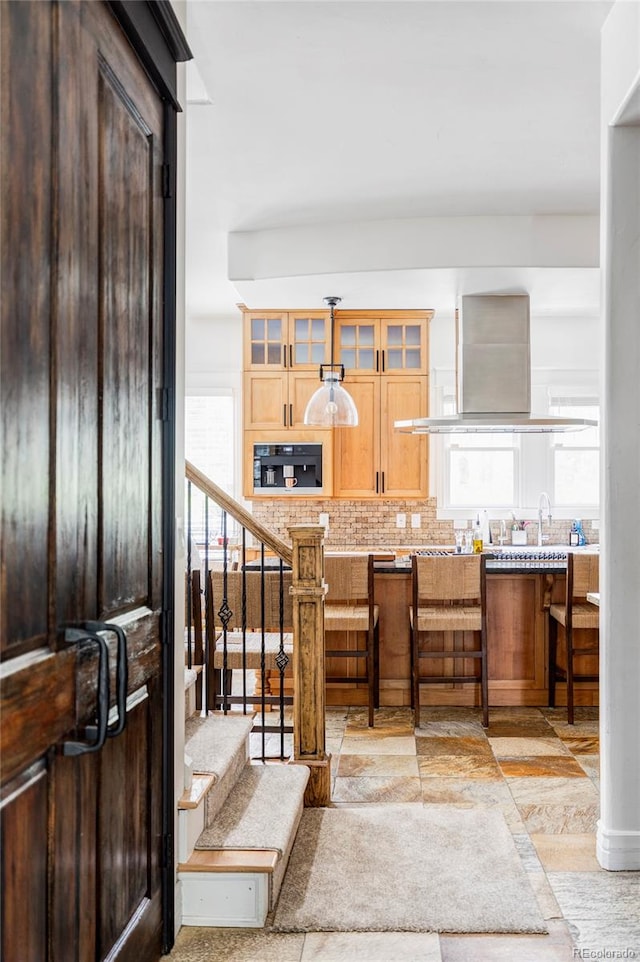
255,626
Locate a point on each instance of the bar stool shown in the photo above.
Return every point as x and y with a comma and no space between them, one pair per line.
575,614
350,608
449,595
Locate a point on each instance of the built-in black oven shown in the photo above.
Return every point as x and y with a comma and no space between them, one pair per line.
281,468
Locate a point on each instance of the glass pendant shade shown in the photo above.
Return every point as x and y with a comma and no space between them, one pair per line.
331,406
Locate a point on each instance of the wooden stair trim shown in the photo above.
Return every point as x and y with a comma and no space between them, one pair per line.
231,860
200,785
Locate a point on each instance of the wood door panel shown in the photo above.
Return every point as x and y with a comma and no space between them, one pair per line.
126,201
405,457
74,846
265,400
127,828
301,387
23,841
76,326
37,709
25,342
357,450
515,630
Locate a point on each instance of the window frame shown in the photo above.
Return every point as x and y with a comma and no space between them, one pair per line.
533,464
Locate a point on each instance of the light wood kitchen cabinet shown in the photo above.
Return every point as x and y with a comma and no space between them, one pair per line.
383,342
385,355
373,459
277,400
283,351
286,340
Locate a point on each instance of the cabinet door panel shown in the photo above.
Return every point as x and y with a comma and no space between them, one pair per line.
403,346
357,450
404,457
301,387
265,340
309,340
265,401
358,345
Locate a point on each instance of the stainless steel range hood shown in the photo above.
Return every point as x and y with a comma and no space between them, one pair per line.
493,373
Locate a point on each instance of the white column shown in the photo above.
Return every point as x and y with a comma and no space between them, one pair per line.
618,836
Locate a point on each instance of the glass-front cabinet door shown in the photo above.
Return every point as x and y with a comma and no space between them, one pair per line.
358,346
286,340
403,347
394,343
309,339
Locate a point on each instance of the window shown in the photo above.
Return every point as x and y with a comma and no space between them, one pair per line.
481,474
209,445
576,455
480,469
507,472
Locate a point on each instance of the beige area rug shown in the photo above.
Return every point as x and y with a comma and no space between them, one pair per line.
405,868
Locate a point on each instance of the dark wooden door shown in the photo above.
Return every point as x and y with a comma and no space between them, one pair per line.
82,493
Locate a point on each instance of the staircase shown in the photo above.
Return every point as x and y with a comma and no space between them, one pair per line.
236,825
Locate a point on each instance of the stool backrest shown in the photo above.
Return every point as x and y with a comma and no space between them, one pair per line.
583,575
447,578
349,578
251,582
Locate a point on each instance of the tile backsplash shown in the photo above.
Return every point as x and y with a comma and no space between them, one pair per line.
373,524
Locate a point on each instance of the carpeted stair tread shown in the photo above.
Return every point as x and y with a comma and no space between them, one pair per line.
218,744
262,811
214,741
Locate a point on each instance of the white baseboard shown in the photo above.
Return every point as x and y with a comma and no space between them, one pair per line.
618,851
225,899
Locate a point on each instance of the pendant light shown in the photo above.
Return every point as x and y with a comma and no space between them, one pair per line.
331,406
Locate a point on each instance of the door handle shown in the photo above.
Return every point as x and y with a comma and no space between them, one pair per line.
122,673
81,636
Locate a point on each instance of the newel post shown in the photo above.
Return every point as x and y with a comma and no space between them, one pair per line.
308,591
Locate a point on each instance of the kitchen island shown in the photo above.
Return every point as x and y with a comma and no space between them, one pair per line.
521,585
519,591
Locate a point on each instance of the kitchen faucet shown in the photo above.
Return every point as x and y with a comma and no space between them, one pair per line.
543,500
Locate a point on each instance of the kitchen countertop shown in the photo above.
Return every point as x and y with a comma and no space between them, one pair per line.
500,560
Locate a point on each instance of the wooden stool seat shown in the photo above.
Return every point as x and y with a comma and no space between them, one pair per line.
455,618
348,617
583,615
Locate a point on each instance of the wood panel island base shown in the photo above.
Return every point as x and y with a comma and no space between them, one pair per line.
517,638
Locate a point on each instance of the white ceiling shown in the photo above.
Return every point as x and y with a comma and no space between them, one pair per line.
312,121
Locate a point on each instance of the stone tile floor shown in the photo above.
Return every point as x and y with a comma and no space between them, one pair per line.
540,772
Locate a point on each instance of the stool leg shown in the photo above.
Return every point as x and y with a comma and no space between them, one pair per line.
376,663
371,679
570,713
553,649
484,669
415,677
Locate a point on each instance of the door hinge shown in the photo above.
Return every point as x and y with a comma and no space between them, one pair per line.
164,397
165,634
166,181
167,850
